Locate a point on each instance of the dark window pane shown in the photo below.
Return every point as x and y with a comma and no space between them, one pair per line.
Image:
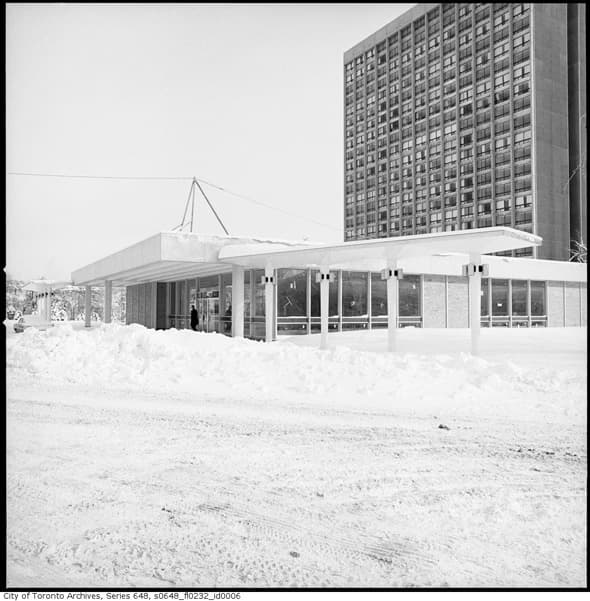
247,294
226,300
485,296
378,295
292,293
538,298
259,298
500,297
409,296
172,296
333,310
354,293
519,291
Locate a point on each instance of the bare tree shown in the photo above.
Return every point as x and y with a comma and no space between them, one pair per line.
579,252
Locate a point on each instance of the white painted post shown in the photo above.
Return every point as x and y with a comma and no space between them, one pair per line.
108,300
237,301
269,304
324,306
87,305
369,301
392,307
475,303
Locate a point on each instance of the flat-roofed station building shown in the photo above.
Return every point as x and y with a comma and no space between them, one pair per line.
463,116
264,288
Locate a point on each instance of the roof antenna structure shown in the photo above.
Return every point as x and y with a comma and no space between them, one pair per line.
191,201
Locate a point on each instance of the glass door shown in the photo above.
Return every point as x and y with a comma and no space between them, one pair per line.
208,309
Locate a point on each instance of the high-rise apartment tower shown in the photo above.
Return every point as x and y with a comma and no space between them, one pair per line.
461,116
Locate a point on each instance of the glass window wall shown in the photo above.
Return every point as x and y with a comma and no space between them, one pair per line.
538,306
225,304
292,301
410,309
500,302
485,297
354,294
378,296
292,293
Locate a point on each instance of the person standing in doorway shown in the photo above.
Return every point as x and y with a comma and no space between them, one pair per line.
194,318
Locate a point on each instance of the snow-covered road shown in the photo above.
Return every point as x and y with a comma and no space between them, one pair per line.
173,480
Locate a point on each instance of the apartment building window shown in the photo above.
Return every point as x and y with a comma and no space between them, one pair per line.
521,104
521,55
484,177
483,89
521,88
504,126
522,152
521,40
502,173
502,80
502,158
522,137
523,201
521,121
519,10
466,38
483,134
502,188
466,211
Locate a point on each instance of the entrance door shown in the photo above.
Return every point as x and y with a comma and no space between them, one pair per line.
208,308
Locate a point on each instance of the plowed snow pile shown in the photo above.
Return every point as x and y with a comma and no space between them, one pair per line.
172,458
137,358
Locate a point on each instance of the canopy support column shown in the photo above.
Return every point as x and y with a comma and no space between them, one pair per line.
108,300
474,271
237,301
324,277
269,301
392,274
87,305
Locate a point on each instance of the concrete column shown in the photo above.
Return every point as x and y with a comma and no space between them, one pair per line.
108,300
324,305
392,306
475,303
269,302
369,300
308,301
237,301
339,297
87,305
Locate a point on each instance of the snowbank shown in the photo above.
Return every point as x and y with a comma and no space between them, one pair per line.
423,379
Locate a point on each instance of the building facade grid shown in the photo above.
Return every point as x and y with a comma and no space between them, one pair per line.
438,123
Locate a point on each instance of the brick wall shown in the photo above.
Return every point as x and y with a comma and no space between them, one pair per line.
572,304
434,309
458,302
555,307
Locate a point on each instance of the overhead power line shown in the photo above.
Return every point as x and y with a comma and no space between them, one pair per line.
179,178
146,177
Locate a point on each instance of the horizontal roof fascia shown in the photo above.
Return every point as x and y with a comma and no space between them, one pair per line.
377,254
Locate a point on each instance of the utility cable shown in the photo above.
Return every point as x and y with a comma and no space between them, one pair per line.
179,178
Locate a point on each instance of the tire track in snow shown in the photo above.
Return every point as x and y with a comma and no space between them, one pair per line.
398,552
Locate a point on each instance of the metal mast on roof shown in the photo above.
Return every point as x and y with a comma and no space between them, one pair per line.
191,200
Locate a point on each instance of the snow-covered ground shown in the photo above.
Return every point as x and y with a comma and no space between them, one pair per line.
180,459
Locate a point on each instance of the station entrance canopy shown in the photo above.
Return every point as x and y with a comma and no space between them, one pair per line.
169,256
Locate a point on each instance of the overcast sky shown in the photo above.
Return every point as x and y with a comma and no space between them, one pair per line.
247,97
